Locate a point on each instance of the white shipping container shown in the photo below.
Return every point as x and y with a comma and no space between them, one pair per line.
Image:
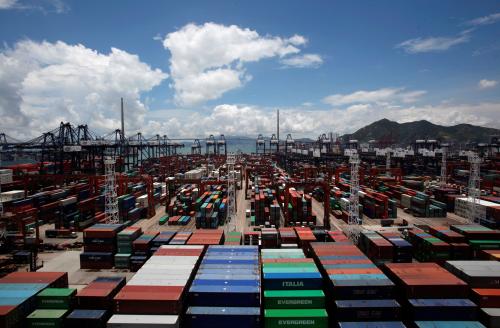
68,201
405,200
172,260
12,195
143,321
6,178
157,282
155,268
172,274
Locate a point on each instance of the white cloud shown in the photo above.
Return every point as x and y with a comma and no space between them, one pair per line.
433,44
383,95
208,60
43,83
297,40
485,20
7,4
487,84
248,120
301,61
45,6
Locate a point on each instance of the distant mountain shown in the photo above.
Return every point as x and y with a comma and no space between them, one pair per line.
404,133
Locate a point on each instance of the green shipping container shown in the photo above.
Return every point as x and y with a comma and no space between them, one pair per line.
55,298
317,318
163,220
293,299
46,318
485,244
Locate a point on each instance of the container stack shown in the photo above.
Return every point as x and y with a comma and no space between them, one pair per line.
163,238
402,251
300,209
430,293
233,238
141,248
53,305
68,213
142,245
126,204
185,201
376,205
252,238
460,250
306,237
56,298
18,292
226,289
211,210
179,220
83,318
98,295
99,246
488,212
483,278
288,236
293,290
428,248
269,237
206,237
264,207
478,236
180,238
157,291
376,247
124,241
338,236
359,290
6,176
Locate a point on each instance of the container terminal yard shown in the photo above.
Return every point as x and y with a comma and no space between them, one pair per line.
128,232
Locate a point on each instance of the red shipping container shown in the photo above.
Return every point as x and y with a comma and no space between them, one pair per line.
486,297
149,300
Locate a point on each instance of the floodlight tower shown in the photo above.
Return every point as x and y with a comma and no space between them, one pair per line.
354,220
474,191
1,200
231,192
388,162
111,202
443,181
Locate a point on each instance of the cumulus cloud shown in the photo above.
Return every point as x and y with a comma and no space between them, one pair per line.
7,4
485,20
383,95
433,44
248,120
302,61
487,84
43,83
208,60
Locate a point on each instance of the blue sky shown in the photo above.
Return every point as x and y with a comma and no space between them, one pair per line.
351,63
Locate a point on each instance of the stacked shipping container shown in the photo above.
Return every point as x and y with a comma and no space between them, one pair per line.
293,294
211,209
99,246
429,293
226,289
159,287
359,290
18,294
